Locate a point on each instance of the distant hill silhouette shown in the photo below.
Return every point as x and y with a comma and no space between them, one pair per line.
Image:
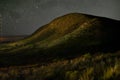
69,35
8,39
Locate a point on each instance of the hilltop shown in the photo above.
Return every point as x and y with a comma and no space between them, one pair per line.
65,37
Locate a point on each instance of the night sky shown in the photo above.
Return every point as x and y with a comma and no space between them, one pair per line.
23,17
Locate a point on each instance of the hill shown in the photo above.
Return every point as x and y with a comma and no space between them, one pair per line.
65,37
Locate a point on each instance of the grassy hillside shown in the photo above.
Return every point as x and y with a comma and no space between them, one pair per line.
71,47
65,37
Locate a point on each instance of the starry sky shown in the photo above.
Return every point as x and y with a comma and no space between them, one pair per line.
23,17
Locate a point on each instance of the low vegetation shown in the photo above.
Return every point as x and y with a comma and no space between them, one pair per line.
86,67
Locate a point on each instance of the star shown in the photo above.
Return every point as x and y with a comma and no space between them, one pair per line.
36,6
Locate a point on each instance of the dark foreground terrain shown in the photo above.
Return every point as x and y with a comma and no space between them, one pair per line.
71,47
104,66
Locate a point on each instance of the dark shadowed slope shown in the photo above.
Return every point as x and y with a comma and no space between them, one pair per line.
69,35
